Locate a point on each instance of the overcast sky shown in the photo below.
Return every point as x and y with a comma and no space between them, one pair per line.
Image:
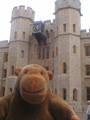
44,10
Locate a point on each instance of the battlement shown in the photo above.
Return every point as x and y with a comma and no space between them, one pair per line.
4,44
22,12
48,24
60,4
85,34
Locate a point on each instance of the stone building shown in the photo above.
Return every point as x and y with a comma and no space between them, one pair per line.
66,52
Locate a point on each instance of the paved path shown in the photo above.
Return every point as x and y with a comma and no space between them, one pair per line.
82,115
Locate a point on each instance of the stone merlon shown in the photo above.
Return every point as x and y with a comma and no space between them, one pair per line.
22,12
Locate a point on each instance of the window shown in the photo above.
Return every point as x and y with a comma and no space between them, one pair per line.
43,53
39,53
47,53
4,73
88,93
74,28
64,68
12,70
57,30
64,93
75,95
88,70
87,50
23,35
5,57
3,91
74,49
47,34
64,27
15,35
56,51
22,54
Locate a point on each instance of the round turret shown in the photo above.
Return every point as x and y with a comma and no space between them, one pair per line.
21,23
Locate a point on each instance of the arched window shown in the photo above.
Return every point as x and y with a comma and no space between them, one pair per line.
74,49
12,70
64,68
47,34
22,54
64,93
75,94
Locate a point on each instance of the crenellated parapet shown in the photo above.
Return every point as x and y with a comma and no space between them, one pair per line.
49,25
22,12
60,4
85,34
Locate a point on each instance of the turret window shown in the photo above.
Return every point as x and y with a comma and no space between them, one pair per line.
74,49
15,35
22,54
64,68
23,35
75,95
64,27
74,28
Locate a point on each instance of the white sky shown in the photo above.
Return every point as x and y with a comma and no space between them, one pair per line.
44,10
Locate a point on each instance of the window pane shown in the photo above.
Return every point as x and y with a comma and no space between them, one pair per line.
87,51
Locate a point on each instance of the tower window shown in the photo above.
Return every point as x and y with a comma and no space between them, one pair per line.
64,93
75,95
88,70
57,30
56,51
87,50
23,35
22,54
64,68
15,35
64,27
74,49
88,93
74,28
